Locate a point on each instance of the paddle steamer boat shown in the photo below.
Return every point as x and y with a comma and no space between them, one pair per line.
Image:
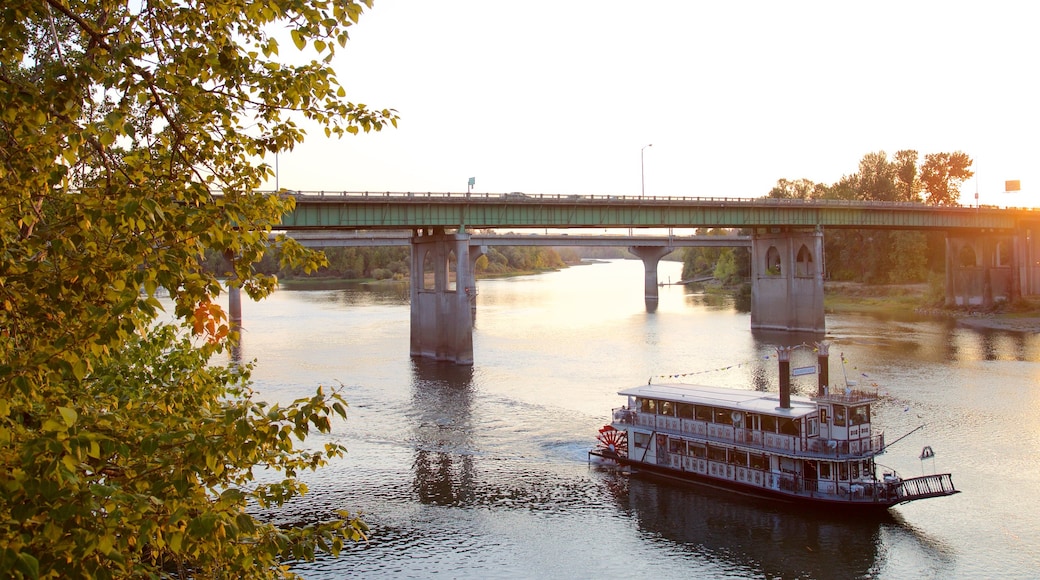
816,450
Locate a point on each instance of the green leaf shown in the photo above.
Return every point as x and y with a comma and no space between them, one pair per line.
29,565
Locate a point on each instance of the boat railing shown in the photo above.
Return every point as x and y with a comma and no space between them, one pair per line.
823,448
847,396
860,490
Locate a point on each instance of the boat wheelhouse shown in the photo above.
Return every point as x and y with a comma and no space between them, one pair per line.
817,450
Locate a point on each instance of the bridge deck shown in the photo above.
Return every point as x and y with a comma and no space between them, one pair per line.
390,210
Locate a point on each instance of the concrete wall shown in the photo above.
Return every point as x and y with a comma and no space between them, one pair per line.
441,313
787,281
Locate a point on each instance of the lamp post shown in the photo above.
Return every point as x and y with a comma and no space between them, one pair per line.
642,171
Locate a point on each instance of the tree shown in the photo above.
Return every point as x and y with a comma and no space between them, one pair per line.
797,189
877,178
132,139
907,184
942,175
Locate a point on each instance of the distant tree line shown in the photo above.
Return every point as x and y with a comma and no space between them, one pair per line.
394,262
872,256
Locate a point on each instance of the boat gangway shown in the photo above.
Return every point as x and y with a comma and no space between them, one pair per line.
926,486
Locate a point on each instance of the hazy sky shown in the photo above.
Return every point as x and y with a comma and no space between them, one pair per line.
561,96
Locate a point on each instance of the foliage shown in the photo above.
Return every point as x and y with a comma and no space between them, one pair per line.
942,175
504,259
881,256
726,270
131,142
728,265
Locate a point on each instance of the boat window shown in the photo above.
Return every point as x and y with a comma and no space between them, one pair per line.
703,413
859,415
684,410
676,446
667,408
789,426
698,450
641,439
754,421
716,453
738,457
823,415
855,470
769,423
759,461
724,416
839,415
648,406
813,426
843,471
825,470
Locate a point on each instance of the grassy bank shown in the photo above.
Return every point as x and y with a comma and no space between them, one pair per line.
856,297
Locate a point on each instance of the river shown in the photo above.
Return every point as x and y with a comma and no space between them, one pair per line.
482,471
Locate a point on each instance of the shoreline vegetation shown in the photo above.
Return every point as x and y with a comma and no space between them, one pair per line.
924,299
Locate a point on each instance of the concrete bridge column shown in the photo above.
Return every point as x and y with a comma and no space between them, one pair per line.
651,256
441,317
787,281
983,269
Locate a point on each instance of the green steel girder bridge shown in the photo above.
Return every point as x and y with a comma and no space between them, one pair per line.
992,254
411,210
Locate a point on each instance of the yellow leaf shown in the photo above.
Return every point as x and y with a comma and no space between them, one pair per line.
175,540
50,425
298,38
105,544
69,415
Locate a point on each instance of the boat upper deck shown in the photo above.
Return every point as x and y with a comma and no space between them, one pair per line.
735,399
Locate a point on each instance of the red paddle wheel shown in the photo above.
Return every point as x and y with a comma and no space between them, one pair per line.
613,441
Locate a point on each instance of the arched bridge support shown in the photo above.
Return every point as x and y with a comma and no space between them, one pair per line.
441,316
787,281
651,256
987,268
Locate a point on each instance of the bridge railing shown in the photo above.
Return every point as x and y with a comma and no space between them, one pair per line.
520,197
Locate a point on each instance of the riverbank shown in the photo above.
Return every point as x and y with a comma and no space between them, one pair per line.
1024,316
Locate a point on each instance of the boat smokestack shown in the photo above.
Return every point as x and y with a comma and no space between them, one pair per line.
784,355
823,356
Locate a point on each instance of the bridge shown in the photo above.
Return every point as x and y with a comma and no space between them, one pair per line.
992,253
406,210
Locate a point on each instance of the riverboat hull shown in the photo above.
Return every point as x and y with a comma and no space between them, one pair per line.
818,501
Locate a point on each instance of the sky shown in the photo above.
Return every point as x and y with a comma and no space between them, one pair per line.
679,97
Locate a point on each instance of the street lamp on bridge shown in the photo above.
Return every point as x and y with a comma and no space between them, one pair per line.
642,171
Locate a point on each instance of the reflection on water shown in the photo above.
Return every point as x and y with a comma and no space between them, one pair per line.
745,535
441,400
481,471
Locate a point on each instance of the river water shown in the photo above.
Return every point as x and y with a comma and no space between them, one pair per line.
482,471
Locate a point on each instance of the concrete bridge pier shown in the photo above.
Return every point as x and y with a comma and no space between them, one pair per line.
787,281
985,268
651,256
441,315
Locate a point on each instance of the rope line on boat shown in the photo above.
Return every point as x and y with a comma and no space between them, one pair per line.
734,366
